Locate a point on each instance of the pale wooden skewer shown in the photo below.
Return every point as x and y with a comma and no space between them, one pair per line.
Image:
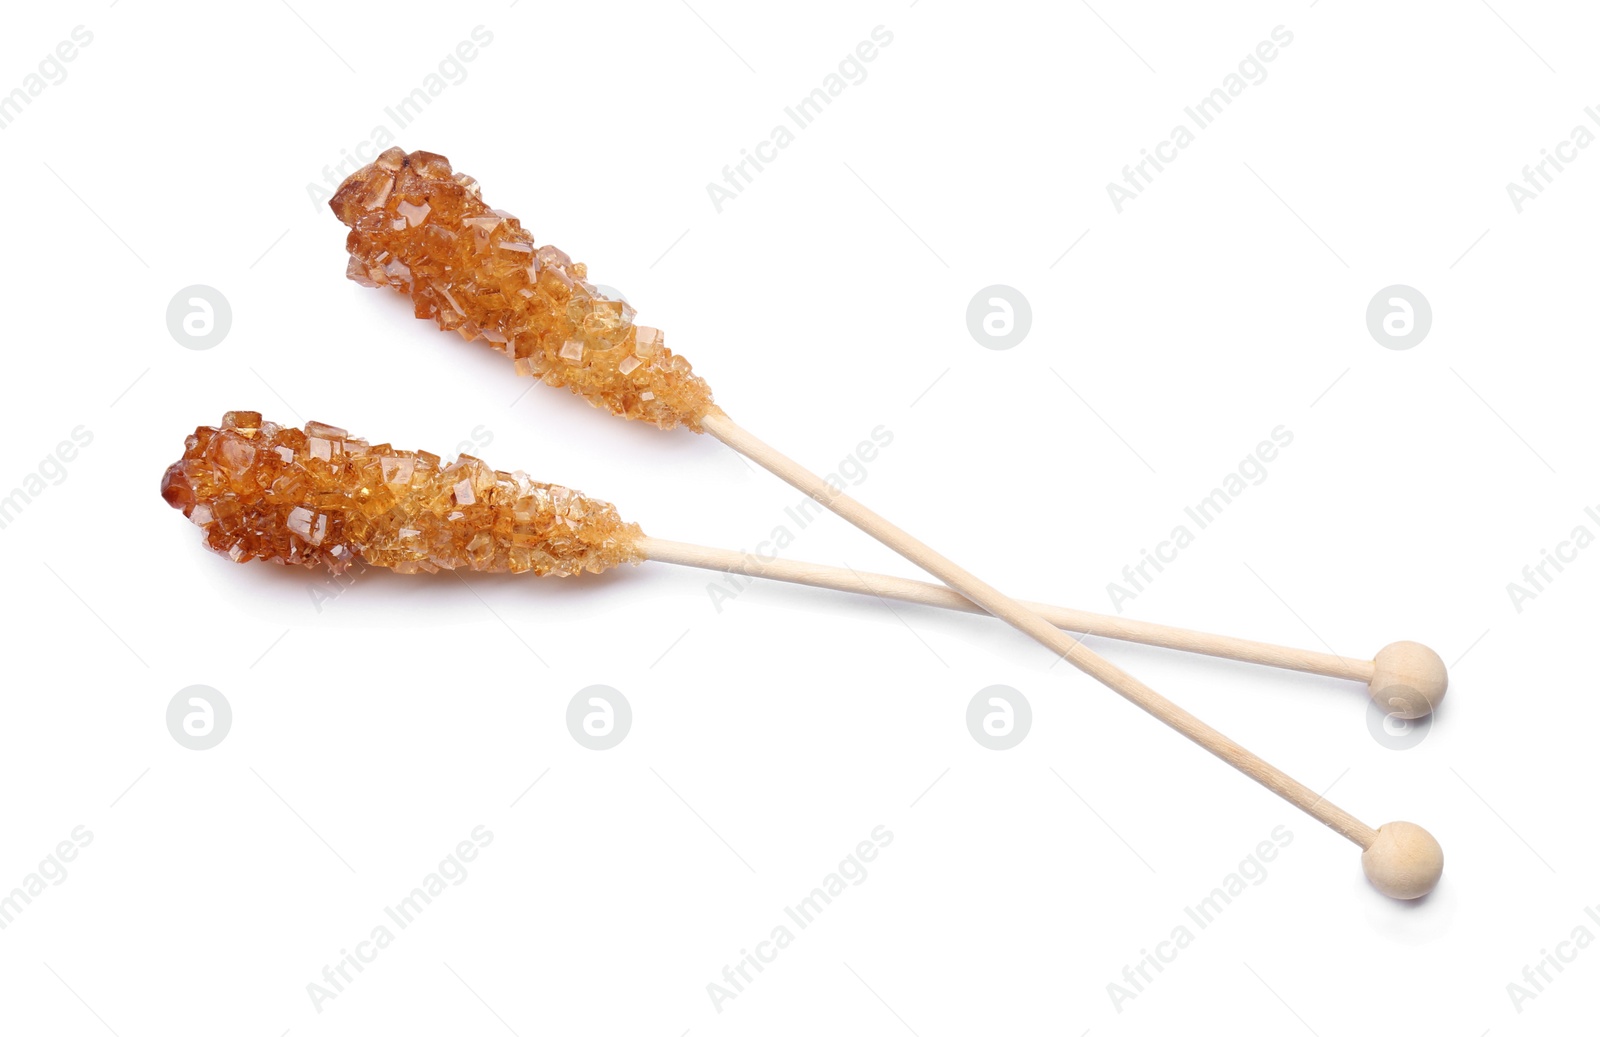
1406,678
1401,859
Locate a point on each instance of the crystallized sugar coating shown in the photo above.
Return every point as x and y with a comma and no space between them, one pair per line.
417,227
259,490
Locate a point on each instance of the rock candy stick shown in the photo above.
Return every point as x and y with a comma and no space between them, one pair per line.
423,230
323,497
419,227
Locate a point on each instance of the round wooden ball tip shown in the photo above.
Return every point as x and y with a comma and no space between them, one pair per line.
1404,861
1408,680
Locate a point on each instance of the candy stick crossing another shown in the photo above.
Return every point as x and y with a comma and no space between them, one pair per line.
421,228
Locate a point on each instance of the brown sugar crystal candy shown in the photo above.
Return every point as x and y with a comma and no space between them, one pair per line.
319,496
423,229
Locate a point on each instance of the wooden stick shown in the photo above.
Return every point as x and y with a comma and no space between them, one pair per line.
919,592
1395,859
1385,680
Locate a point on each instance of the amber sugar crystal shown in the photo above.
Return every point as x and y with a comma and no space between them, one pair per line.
319,496
423,230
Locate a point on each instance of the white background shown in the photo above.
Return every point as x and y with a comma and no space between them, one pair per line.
372,734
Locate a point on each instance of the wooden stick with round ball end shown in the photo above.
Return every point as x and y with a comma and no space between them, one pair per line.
1408,680
1403,861
419,227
